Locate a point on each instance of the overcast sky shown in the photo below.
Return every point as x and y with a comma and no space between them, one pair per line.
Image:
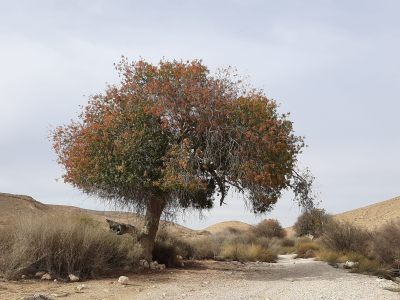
334,65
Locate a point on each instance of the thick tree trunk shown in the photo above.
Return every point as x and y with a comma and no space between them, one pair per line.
147,236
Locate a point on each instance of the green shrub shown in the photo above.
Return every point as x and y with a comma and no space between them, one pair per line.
311,222
62,245
269,228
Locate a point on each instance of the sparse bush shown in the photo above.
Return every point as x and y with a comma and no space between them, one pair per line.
328,256
311,222
386,244
62,245
167,246
269,228
205,248
286,242
345,237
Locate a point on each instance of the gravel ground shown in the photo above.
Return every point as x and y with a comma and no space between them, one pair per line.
288,279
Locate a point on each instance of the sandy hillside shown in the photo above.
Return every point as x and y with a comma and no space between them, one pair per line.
374,215
17,207
228,225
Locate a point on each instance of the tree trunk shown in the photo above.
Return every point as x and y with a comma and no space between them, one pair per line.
151,221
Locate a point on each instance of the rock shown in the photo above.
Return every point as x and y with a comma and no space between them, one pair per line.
46,276
40,274
55,280
80,287
123,280
144,263
73,278
23,276
161,267
350,264
153,265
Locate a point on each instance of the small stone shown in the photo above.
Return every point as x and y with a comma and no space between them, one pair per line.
80,287
144,263
161,267
73,278
55,280
350,264
40,274
23,276
46,276
123,280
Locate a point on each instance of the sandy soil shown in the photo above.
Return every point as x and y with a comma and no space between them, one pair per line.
288,279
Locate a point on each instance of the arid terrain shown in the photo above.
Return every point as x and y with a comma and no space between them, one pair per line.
289,278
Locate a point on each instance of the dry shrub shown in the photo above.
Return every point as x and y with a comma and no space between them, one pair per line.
167,246
286,242
345,237
311,222
62,245
242,252
269,228
306,249
386,244
329,256
205,248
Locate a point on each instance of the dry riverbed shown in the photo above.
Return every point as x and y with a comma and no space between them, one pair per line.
288,279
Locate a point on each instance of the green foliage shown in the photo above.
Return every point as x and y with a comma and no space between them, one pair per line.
174,131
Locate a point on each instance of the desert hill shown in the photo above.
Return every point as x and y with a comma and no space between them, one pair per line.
374,215
15,207
228,225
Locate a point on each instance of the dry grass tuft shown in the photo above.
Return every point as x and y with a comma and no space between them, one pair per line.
61,245
242,252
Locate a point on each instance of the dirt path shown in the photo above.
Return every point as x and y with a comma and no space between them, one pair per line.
287,279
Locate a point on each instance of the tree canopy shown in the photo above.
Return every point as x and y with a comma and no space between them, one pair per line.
175,133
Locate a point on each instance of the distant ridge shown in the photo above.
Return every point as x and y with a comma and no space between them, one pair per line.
374,215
